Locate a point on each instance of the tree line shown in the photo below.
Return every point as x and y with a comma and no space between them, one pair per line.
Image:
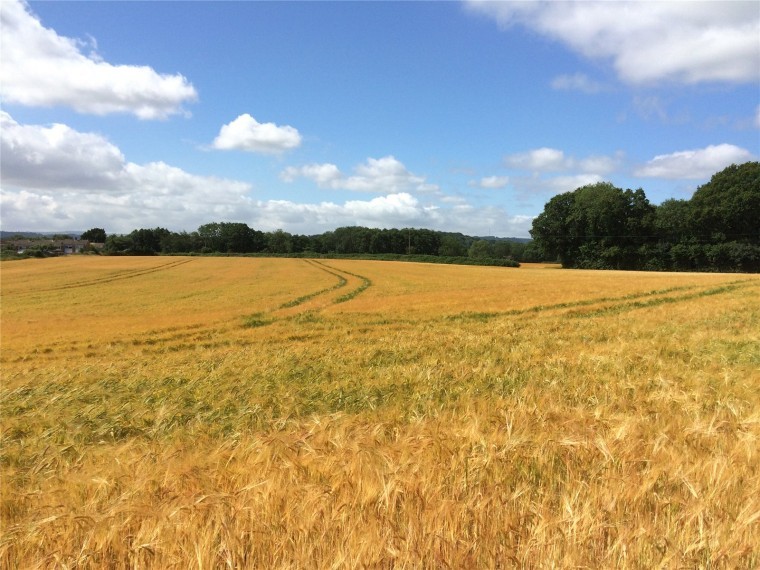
239,238
598,226
601,226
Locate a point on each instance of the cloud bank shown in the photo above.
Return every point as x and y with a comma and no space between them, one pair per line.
57,178
54,177
39,68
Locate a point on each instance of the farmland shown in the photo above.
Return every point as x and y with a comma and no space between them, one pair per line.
178,412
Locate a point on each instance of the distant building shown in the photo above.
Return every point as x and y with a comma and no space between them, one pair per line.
53,246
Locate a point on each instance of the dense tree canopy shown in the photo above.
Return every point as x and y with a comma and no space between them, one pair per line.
596,226
96,235
601,226
238,238
728,207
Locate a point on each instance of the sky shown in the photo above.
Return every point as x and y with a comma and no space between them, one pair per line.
308,116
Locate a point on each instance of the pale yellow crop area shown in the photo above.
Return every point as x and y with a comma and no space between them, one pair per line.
188,412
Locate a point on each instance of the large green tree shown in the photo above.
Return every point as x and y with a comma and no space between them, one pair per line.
552,231
96,235
672,221
601,226
595,226
727,208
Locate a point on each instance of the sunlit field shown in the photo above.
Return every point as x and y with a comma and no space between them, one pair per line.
187,412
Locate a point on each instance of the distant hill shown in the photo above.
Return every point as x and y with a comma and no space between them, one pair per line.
512,239
4,234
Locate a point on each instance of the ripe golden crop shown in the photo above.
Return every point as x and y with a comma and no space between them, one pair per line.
246,412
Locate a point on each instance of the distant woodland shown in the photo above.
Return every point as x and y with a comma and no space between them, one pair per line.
598,226
604,227
239,238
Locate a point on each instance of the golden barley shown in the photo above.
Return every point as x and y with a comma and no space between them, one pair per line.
242,413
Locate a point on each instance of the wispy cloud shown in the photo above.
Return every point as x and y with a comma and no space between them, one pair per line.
491,182
554,160
577,82
379,175
548,171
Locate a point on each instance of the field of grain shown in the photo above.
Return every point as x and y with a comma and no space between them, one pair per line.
181,412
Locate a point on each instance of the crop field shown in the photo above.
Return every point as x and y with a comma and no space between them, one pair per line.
188,412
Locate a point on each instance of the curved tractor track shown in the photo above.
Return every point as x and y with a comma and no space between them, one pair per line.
180,338
120,276
316,300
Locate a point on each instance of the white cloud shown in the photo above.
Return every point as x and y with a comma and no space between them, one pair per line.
560,184
577,82
599,164
553,160
757,117
24,209
323,174
402,207
56,156
528,187
40,68
392,211
541,159
99,188
246,133
53,177
379,175
491,182
686,42
550,171
694,164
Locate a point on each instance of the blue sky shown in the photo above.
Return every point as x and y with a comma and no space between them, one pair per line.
307,116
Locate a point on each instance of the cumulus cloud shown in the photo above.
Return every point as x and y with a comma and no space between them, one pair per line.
648,42
56,156
56,178
402,207
391,211
694,164
246,133
577,82
378,175
39,68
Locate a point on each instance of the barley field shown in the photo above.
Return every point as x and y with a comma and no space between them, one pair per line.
187,412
